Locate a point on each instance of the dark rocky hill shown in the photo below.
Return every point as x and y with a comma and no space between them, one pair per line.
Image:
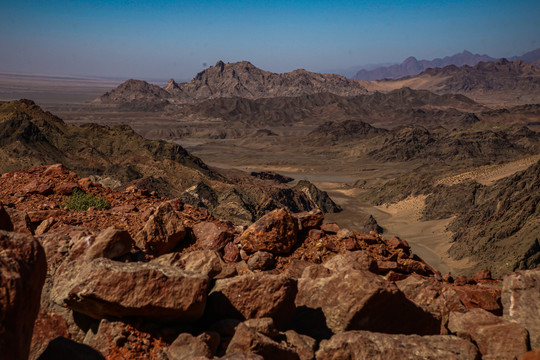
240,79
116,155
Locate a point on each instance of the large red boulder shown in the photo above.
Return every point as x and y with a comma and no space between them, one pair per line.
275,232
23,268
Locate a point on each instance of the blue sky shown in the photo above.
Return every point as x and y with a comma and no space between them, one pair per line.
163,39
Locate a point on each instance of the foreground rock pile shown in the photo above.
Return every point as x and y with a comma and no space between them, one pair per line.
152,278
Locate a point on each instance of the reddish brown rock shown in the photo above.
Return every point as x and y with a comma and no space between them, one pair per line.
398,243
460,280
205,262
187,347
162,232
263,325
358,260
315,234
531,355
231,253
55,170
47,327
66,188
303,345
343,234
110,243
275,232
42,215
261,260
480,297
212,236
310,219
108,288
22,273
368,345
254,296
431,295
296,268
495,338
361,300
368,238
351,244
521,301
37,187
482,275
20,221
84,183
330,228
125,208
247,340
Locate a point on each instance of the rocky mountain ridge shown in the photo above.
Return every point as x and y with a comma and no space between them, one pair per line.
412,67
158,279
240,79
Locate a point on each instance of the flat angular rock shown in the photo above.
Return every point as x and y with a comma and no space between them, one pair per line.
494,337
37,187
187,347
521,301
310,219
261,260
247,340
377,346
275,232
162,232
254,296
431,295
480,297
104,287
110,243
361,300
303,345
212,236
357,260
23,269
66,188
205,262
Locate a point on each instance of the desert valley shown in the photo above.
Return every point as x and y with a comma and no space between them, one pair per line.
247,214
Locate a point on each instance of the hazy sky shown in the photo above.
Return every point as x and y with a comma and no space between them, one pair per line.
163,39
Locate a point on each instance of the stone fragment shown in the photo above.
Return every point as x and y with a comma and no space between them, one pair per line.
108,288
343,234
55,170
231,253
254,296
247,340
330,228
357,260
495,338
310,219
66,188
361,300
460,280
37,187
398,243
480,297
377,346
20,221
205,262
303,345
125,208
110,243
187,347
22,274
162,232
521,301
275,232
212,236
261,260
531,355
482,275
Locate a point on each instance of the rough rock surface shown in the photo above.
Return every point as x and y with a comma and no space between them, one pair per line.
377,346
22,274
162,232
276,232
521,301
110,243
105,287
361,300
212,236
495,338
254,296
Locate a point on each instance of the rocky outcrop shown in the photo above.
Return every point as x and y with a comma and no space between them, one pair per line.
22,274
318,197
521,301
108,288
367,345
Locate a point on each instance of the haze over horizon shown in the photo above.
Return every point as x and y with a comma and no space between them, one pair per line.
163,39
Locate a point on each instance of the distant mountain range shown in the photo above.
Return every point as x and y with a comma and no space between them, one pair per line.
412,67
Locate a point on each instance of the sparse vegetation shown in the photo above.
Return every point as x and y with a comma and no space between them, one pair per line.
81,202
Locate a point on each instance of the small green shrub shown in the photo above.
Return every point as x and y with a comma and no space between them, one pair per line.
81,202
